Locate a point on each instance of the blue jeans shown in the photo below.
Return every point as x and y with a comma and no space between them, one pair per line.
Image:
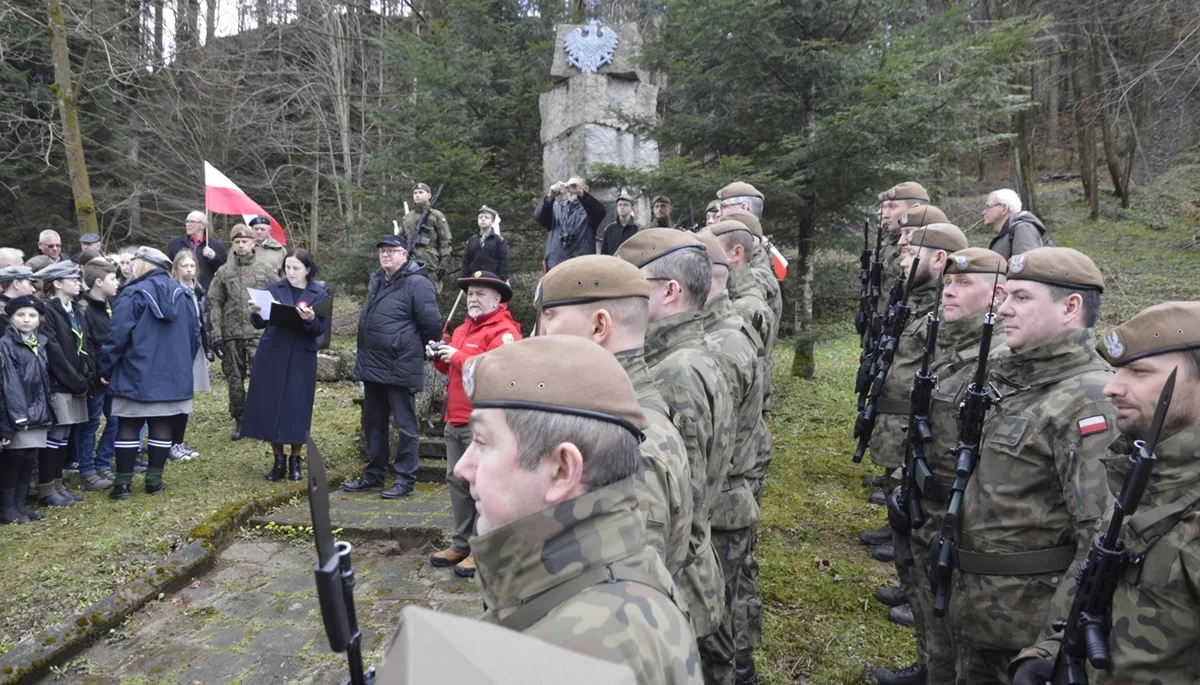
99,402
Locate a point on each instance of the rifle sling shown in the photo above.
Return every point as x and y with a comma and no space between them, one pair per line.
535,608
1036,562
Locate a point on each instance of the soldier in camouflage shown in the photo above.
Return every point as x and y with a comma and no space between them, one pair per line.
894,203
235,341
737,348
677,268
1155,633
973,281
1033,502
606,300
435,255
561,548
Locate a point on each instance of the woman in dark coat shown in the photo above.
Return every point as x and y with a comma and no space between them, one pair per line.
283,380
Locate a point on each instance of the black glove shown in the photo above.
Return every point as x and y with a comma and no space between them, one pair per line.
218,348
208,354
1033,671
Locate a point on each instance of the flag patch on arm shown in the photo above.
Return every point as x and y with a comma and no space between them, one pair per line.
1093,424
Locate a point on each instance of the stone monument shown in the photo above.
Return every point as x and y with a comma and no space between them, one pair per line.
587,113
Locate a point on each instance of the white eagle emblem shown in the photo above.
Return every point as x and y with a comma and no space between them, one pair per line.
590,47
1017,264
904,220
961,263
1113,343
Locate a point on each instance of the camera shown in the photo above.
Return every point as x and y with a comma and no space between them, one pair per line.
431,350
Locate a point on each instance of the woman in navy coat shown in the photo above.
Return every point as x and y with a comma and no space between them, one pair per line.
283,380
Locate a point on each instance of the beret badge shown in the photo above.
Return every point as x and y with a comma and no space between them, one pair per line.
1112,342
1017,264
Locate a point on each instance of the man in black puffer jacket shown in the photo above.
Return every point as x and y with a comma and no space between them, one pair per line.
398,318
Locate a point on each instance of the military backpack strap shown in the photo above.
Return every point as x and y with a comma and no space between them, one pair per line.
1147,527
535,608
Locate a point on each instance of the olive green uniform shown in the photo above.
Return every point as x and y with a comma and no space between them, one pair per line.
227,301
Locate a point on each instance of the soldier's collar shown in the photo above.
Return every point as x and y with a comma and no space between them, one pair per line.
1062,356
673,331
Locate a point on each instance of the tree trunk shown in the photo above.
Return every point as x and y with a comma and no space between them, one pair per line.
157,59
135,197
1022,151
210,22
1053,84
1108,136
804,363
85,207
1084,132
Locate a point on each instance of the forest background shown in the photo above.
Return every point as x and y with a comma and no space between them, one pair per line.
327,112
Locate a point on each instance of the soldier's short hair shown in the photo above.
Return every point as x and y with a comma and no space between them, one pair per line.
1193,360
754,203
1008,198
631,314
610,452
691,269
1091,302
97,269
744,238
11,256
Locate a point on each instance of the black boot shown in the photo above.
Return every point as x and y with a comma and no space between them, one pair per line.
22,502
744,673
278,470
294,467
8,508
913,675
237,431
120,491
48,496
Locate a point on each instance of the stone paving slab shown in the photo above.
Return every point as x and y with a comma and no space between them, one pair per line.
253,618
414,521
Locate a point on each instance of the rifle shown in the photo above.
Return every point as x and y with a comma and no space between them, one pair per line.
419,239
335,576
874,321
889,340
864,280
904,507
1085,629
971,414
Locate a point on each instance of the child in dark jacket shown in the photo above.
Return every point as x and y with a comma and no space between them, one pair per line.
69,377
95,459
25,415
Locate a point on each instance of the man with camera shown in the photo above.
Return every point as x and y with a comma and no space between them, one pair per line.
571,217
488,325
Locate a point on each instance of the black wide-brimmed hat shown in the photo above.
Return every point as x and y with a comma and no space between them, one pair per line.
488,279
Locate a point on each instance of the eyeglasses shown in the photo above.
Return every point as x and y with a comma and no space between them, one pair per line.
987,207
389,251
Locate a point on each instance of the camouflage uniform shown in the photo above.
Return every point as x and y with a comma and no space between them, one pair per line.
581,576
697,393
664,489
954,364
272,253
736,347
230,315
1155,631
1039,487
436,254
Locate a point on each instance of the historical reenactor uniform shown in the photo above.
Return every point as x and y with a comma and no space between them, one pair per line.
486,250
435,254
1031,506
270,251
232,332
579,574
702,409
1154,634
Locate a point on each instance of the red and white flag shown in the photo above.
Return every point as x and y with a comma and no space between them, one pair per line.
221,196
778,264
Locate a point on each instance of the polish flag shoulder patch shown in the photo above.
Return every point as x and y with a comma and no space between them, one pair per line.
1092,425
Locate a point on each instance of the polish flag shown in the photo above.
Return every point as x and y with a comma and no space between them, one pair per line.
779,264
221,196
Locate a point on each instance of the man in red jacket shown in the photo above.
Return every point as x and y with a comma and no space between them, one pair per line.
488,325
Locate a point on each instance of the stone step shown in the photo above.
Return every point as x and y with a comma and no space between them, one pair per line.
431,471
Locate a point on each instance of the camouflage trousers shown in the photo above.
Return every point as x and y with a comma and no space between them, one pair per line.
239,358
977,666
747,632
935,642
717,651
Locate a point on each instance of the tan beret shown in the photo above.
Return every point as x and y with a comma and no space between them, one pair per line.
905,191
746,218
547,373
976,260
661,199
240,231
422,186
1166,327
716,252
592,278
714,206
650,244
738,189
923,216
940,236
727,225
1059,266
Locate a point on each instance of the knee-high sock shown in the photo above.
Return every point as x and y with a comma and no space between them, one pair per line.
159,450
126,452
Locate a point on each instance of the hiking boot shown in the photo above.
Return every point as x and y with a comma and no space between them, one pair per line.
885,553
913,675
278,469
891,596
120,491
94,482
465,568
878,498
21,500
62,490
744,673
903,615
294,467
8,508
363,484
157,488
237,431
446,557
49,496
876,536
399,491
875,482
